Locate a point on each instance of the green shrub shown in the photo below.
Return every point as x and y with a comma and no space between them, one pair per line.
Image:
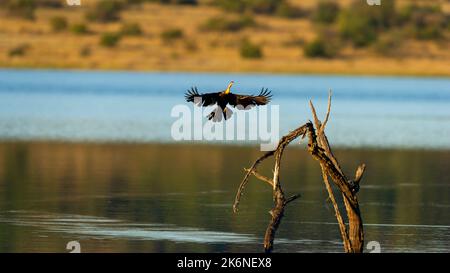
131,29
185,2
106,11
381,17
190,45
231,5
179,2
264,6
133,2
58,23
288,11
429,32
249,50
255,6
85,51
109,39
356,28
361,23
172,34
19,50
79,29
413,12
326,12
388,45
21,8
425,23
404,14
319,49
294,41
56,4
231,25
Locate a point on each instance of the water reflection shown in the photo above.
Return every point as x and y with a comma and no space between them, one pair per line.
177,198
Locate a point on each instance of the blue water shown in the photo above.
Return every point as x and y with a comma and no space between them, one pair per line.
130,106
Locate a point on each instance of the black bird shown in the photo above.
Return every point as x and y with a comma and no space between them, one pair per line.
225,97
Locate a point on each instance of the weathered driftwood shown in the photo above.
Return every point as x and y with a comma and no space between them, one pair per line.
319,148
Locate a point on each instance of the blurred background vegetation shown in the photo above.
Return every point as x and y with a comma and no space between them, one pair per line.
315,36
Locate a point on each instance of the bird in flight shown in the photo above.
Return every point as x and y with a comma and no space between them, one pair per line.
225,97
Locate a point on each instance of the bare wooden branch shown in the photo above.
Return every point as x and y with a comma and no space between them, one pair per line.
342,227
359,172
353,238
327,116
314,113
280,201
322,138
245,180
292,198
277,214
319,148
260,177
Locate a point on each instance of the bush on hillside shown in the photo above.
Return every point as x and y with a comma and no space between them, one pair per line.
228,25
326,12
319,49
286,10
109,39
58,23
19,50
249,50
79,29
172,34
20,8
131,29
105,11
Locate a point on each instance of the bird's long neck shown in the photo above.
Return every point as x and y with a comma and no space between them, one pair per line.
227,91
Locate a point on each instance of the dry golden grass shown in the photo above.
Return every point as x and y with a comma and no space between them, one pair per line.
199,50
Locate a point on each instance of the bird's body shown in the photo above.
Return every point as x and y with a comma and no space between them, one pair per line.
225,97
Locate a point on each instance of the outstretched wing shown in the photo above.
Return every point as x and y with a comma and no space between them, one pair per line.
203,99
263,98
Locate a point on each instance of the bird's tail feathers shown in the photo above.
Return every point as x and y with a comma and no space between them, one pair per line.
217,114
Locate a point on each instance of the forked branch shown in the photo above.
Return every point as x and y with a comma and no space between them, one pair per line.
319,148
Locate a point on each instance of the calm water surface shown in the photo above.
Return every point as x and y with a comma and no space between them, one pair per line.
58,183
178,198
123,106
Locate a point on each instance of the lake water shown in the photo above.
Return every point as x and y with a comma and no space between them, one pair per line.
178,198
123,106
68,171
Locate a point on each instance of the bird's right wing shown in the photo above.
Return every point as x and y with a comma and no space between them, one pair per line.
263,98
206,99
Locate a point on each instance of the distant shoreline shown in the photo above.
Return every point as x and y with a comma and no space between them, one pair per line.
214,145
247,72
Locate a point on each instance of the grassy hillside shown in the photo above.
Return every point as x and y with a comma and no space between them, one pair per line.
298,37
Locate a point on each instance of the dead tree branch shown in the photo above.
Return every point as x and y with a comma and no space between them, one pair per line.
319,148
279,198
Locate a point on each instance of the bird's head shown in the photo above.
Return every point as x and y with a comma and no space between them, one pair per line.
229,87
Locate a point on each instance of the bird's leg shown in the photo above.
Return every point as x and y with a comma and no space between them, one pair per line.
227,113
216,115
211,115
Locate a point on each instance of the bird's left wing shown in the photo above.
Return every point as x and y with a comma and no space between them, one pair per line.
206,99
263,98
